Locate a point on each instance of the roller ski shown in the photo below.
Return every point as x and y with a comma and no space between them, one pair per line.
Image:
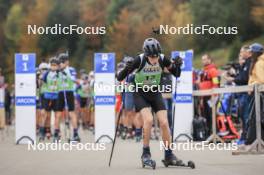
147,161
76,138
172,160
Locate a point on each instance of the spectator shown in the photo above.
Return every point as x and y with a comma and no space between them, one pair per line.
207,80
2,79
2,113
241,78
256,73
257,65
7,105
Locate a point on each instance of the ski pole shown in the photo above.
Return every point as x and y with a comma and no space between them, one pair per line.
113,146
118,120
67,122
174,110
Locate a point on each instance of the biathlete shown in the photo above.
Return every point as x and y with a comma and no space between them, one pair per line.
149,66
50,95
66,99
83,90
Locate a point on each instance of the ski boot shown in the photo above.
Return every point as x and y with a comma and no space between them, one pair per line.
124,133
41,137
138,138
48,132
56,138
172,160
147,161
41,134
130,134
75,139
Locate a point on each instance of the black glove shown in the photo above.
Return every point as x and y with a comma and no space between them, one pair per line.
129,63
177,61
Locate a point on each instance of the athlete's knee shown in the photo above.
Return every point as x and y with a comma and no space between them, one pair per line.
148,120
164,124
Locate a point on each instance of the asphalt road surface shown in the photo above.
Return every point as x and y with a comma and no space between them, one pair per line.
16,159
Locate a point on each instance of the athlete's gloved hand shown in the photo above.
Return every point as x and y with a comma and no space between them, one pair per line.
129,63
177,61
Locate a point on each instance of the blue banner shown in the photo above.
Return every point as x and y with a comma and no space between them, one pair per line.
25,63
25,101
183,98
105,100
104,62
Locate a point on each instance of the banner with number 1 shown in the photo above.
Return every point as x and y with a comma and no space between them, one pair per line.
25,100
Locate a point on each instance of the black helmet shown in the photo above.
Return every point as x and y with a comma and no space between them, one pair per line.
151,47
63,57
54,60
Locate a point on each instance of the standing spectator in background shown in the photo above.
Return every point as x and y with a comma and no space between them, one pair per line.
2,111
241,79
256,76
208,79
7,105
2,79
256,72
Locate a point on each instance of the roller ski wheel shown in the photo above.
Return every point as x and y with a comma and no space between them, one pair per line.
173,161
147,161
191,164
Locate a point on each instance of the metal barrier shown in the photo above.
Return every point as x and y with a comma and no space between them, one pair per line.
257,147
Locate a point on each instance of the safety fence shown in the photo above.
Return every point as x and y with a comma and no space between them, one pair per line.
257,147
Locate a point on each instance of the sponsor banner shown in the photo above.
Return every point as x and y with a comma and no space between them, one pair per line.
104,68
25,100
182,97
105,100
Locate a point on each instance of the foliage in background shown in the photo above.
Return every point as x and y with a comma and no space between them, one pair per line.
128,23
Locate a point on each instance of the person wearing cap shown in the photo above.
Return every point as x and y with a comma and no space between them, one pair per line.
256,76
42,88
50,81
256,72
83,91
66,99
91,100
